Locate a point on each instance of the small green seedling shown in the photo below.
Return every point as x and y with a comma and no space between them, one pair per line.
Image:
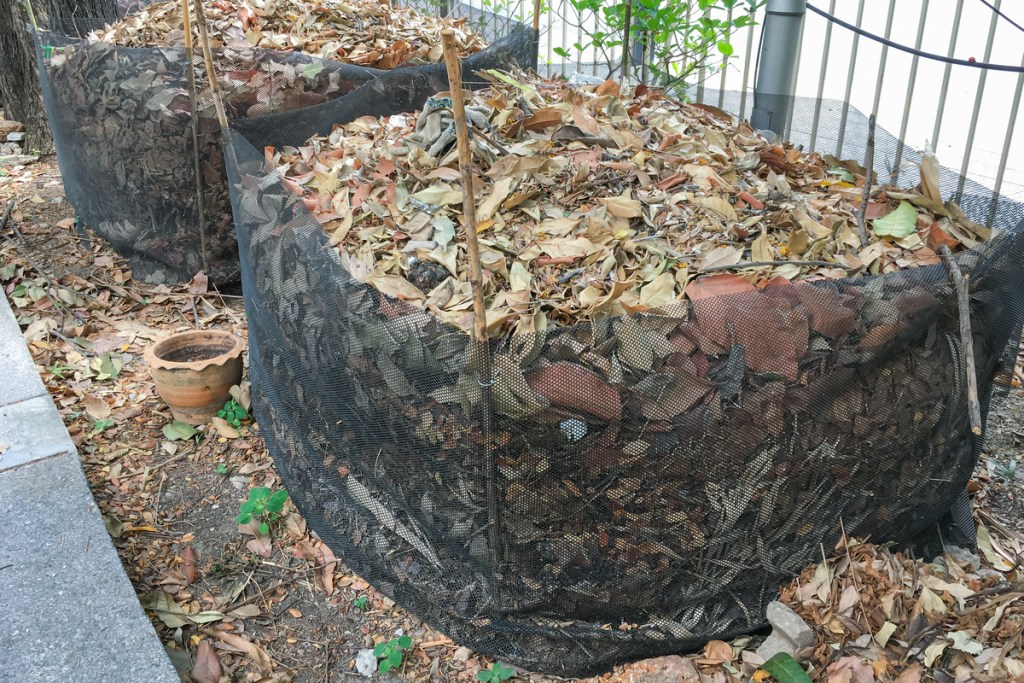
233,413
390,653
100,426
264,505
58,370
1008,471
360,602
496,674
221,469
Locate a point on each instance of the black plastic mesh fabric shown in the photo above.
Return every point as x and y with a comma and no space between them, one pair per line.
683,465
122,126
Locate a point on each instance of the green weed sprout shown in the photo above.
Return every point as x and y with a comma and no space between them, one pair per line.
264,505
390,653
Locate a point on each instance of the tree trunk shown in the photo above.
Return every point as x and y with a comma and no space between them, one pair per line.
19,78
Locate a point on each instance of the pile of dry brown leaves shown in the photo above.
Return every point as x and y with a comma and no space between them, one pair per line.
364,32
229,607
594,201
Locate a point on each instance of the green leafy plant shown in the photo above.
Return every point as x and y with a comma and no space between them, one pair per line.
496,674
675,39
233,413
100,426
264,505
221,469
390,654
58,370
1007,471
360,602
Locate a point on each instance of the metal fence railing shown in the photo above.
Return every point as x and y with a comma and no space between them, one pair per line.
968,115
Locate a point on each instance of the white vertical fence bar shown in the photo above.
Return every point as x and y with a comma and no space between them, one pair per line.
822,73
849,81
911,84
746,72
884,58
725,66
977,100
1005,155
954,34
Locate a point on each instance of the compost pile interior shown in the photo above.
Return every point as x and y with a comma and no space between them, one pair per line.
593,203
698,372
122,110
365,32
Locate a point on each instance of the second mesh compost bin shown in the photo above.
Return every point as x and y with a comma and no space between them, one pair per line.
682,464
122,121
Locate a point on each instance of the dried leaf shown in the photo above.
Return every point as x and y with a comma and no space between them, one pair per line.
251,650
623,207
721,256
224,428
660,292
490,205
206,667
96,407
188,564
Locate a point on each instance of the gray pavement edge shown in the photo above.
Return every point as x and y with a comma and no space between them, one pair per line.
68,612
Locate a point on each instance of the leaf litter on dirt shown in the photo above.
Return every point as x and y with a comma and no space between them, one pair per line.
874,612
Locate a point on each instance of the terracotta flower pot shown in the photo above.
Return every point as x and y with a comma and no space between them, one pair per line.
194,371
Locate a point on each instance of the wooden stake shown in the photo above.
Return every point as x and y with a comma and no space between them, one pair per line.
451,59
862,214
186,20
536,34
211,73
31,15
963,300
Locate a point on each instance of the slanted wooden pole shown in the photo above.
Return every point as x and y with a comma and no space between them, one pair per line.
211,73
624,76
451,59
186,20
963,300
869,172
536,34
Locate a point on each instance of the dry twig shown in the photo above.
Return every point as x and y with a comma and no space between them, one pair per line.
451,59
862,214
963,300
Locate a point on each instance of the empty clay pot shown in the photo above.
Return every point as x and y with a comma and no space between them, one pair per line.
194,371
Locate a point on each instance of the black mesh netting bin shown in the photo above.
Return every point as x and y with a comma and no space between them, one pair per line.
649,481
134,169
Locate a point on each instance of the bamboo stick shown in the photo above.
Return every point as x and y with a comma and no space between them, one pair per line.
451,59
963,300
186,20
536,33
870,162
624,76
211,73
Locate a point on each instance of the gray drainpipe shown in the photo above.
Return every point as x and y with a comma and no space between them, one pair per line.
775,82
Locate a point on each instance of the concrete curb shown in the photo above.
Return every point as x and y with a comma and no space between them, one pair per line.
67,609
